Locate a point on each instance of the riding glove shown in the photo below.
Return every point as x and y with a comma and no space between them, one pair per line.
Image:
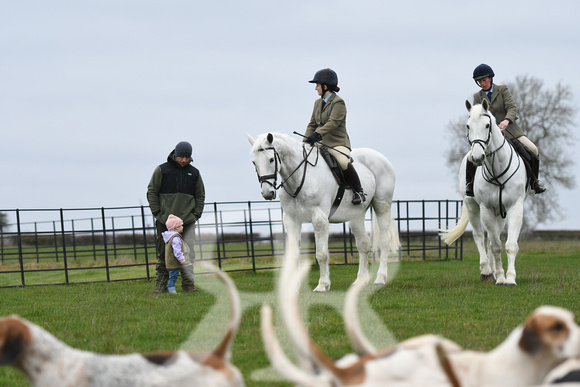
314,137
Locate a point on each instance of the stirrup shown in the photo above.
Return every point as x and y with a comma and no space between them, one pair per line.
358,197
539,187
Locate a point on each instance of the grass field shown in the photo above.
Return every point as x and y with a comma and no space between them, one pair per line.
444,297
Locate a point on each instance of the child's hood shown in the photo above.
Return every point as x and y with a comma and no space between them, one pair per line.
168,234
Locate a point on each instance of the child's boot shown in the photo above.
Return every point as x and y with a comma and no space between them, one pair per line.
171,290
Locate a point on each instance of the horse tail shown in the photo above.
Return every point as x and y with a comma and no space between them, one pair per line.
395,247
451,235
395,244
375,235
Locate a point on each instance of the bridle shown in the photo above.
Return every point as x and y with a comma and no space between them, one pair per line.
277,161
488,173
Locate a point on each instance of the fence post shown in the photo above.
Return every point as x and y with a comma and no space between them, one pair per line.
63,238
217,235
105,247
252,237
20,253
145,246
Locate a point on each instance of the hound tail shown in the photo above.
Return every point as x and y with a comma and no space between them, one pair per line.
223,350
352,322
451,235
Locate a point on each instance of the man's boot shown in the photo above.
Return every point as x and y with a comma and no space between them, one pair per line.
470,169
352,177
161,288
537,184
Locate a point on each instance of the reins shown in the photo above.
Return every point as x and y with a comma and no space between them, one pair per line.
305,162
488,174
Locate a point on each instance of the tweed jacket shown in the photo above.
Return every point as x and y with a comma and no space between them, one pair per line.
329,122
502,106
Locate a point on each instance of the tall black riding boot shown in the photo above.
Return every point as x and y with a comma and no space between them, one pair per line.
352,178
470,169
537,184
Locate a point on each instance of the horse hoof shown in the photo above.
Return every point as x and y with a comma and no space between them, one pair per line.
321,289
486,277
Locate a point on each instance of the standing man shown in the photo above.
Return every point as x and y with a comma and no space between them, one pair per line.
176,187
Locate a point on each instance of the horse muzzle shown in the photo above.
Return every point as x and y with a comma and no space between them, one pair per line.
268,193
477,155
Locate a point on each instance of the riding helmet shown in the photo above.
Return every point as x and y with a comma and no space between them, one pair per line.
325,77
482,71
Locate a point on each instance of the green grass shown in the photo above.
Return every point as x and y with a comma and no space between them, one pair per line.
444,297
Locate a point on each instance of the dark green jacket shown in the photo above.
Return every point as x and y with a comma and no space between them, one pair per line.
502,106
175,190
329,122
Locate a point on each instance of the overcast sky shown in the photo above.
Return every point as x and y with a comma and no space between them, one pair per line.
95,94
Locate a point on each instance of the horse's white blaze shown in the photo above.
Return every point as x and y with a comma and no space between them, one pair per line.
275,154
500,191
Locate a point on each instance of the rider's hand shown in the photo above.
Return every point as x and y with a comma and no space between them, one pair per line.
504,124
314,137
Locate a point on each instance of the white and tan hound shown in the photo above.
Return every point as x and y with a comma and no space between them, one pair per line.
48,362
548,337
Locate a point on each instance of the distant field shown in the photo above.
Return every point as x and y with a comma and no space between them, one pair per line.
443,297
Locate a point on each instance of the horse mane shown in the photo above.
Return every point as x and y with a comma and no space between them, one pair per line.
263,141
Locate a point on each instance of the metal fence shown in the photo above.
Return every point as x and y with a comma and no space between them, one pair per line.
64,246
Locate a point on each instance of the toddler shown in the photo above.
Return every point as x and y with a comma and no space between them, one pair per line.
176,250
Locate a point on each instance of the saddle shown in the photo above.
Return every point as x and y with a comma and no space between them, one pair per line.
340,179
334,168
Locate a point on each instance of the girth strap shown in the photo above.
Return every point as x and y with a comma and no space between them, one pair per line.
337,200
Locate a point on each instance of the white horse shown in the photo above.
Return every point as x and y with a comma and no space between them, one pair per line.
499,189
309,190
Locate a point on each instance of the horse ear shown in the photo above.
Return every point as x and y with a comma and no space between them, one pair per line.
250,139
468,105
485,104
270,138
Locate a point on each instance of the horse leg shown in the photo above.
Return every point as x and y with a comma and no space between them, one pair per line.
320,224
494,227
383,214
514,220
362,244
486,272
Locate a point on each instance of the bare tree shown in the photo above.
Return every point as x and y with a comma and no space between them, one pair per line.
547,118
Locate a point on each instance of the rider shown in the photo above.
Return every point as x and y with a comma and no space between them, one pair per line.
328,124
503,107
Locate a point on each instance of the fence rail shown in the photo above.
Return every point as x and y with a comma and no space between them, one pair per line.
80,245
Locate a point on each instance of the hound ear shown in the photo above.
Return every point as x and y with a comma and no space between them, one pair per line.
270,138
485,104
14,336
530,341
468,105
250,139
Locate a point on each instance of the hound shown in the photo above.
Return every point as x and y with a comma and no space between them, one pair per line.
548,337
411,363
47,361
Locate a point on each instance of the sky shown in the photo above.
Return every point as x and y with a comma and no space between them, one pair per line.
95,94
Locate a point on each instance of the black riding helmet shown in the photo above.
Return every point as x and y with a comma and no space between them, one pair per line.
481,72
326,77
